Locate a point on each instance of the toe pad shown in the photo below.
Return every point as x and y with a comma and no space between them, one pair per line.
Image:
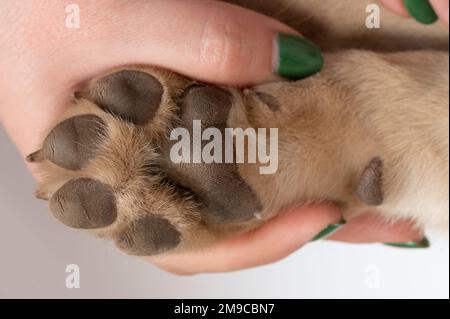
149,236
84,203
134,96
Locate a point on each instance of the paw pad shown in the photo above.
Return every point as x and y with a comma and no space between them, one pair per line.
114,192
134,96
84,203
370,186
149,236
73,142
225,194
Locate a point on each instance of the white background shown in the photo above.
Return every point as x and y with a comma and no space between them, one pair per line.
35,250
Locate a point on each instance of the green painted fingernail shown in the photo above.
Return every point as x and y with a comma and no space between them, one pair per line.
297,57
424,243
328,231
421,10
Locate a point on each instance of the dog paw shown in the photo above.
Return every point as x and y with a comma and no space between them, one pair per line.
109,167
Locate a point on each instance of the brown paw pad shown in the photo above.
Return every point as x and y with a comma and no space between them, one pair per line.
370,187
224,193
74,141
123,151
134,96
149,236
209,104
84,203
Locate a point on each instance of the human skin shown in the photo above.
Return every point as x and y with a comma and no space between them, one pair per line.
441,7
43,62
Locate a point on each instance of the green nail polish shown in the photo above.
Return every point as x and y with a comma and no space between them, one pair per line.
297,57
328,231
421,10
424,243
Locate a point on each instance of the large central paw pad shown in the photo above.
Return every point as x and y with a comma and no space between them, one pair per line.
110,171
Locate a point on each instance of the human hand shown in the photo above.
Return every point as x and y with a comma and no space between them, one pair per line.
43,63
285,234
424,11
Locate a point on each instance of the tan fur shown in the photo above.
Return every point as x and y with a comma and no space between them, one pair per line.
333,124
336,25
377,96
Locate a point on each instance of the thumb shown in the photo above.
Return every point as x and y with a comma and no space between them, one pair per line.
211,41
208,40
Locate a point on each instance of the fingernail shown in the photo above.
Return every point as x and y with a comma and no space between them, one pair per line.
423,243
330,229
421,10
296,57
